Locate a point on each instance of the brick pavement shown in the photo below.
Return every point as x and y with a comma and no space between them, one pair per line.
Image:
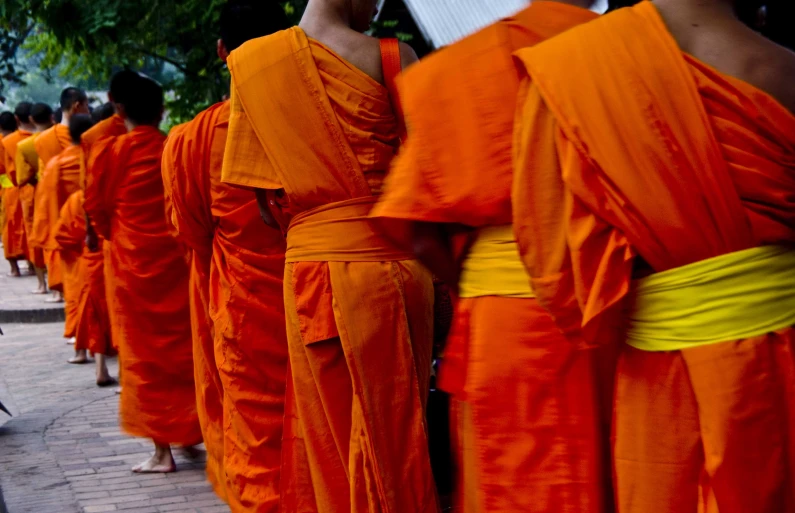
17,304
63,451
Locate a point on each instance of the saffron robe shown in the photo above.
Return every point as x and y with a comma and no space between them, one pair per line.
84,280
15,244
693,164
359,310
49,144
26,169
209,391
530,439
239,261
61,178
148,294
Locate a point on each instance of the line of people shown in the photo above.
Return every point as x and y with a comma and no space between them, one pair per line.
42,168
611,199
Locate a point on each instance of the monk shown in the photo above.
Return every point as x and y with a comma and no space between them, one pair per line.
237,266
8,125
102,112
15,244
49,144
312,129
113,126
84,286
654,203
149,293
28,173
529,437
61,178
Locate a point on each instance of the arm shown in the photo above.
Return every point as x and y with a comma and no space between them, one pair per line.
92,240
266,199
433,248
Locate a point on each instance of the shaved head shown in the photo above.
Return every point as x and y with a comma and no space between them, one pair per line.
72,98
8,123
22,111
41,113
78,124
145,106
122,86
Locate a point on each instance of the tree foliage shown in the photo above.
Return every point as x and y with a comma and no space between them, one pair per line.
171,40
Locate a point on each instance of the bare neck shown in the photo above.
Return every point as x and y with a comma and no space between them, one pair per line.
66,116
28,127
321,15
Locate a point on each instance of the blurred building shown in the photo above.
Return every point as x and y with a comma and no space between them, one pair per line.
437,23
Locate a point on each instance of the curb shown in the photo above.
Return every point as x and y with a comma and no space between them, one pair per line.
39,315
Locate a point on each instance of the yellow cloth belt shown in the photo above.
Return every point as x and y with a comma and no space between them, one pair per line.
731,297
5,182
342,232
493,266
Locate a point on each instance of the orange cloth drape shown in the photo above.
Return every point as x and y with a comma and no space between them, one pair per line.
537,443
209,391
26,169
49,144
15,244
359,332
59,180
148,294
238,265
69,233
84,281
692,164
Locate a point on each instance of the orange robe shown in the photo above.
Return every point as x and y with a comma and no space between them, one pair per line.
359,310
26,171
111,127
530,438
15,245
84,281
5,183
692,164
238,265
148,294
49,144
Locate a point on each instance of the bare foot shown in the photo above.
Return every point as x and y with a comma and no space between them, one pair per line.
71,341
14,274
161,462
78,360
56,298
38,291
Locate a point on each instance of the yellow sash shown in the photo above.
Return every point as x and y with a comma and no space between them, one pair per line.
493,266
730,297
5,182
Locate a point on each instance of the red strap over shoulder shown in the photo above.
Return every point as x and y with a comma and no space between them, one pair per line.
391,65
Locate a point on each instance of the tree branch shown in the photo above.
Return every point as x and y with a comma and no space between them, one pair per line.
163,58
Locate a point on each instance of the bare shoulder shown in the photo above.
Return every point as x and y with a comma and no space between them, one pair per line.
407,55
772,68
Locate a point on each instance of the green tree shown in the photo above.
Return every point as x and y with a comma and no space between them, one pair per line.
171,40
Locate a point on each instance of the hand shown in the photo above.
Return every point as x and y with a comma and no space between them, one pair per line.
92,241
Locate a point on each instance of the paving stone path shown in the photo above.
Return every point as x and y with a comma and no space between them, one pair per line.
62,452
